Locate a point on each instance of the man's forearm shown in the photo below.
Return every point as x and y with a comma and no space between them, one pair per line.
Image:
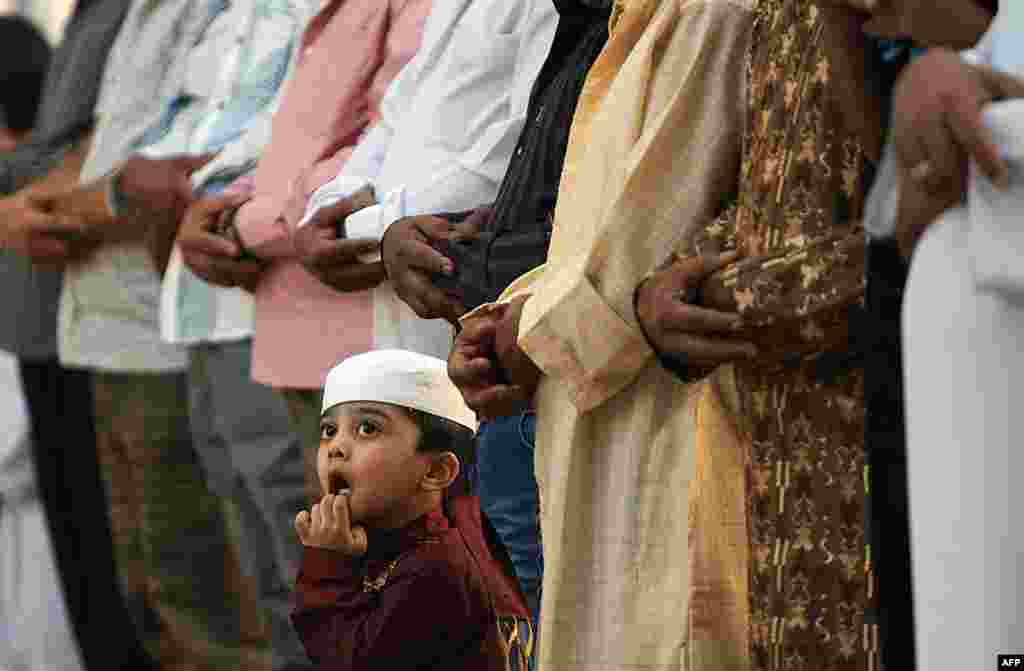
39,157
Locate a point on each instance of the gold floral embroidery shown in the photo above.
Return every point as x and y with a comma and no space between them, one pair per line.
801,194
374,585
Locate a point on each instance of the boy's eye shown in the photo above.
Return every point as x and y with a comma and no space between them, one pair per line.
366,428
328,431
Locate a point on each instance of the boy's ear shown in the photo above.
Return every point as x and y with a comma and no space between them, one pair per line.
444,468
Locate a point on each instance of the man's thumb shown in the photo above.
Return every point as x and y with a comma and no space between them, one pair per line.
41,202
696,268
190,164
885,27
365,246
332,214
211,205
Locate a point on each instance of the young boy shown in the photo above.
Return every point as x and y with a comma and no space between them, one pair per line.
396,572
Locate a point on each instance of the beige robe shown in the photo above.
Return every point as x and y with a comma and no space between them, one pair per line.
653,155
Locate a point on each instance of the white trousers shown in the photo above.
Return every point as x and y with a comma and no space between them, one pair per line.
35,631
964,375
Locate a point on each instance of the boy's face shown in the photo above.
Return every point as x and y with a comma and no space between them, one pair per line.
370,449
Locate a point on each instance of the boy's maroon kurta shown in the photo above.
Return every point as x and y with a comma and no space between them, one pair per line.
434,609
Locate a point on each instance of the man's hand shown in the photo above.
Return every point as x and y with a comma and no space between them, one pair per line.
518,368
160,185
474,368
329,527
210,255
937,128
411,263
699,338
955,24
47,239
335,260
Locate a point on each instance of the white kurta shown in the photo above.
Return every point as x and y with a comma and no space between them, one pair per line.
963,332
35,632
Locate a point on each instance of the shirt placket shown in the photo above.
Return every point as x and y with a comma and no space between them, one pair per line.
228,82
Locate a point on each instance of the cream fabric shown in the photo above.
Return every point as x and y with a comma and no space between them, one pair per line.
654,151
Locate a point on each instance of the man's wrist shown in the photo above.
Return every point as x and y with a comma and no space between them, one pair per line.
675,365
380,247
229,229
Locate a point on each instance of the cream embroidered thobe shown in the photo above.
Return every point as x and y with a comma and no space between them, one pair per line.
654,152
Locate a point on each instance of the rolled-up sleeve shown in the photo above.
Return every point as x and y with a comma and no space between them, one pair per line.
654,154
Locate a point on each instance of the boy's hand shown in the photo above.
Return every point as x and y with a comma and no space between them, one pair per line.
329,527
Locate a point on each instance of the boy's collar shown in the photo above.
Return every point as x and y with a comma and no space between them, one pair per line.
386,543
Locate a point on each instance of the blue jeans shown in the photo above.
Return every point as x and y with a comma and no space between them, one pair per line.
508,497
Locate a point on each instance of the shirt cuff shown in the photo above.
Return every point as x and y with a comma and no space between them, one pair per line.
595,362
330,193
373,222
262,229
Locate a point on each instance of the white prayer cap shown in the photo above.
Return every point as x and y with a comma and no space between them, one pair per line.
400,378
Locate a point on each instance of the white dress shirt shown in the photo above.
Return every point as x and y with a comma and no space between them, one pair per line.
449,124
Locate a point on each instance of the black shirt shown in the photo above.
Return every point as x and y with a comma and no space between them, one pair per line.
516,230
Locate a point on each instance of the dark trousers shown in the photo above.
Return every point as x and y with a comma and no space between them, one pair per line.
68,478
887,456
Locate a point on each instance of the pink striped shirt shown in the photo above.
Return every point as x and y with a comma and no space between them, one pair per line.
350,52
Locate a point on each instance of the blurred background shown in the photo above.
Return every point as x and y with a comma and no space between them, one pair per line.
49,15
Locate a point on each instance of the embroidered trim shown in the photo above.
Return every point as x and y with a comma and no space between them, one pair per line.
377,584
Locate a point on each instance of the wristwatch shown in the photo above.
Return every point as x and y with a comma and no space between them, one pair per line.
225,227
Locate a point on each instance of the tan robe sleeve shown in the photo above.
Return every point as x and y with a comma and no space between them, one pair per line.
654,153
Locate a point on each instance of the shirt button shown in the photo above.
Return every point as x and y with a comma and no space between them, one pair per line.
308,51
519,152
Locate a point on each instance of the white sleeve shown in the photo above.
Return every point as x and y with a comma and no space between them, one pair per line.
473,176
361,169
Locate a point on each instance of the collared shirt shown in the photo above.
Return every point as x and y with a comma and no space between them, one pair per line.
228,109
144,69
321,113
449,124
110,308
29,293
